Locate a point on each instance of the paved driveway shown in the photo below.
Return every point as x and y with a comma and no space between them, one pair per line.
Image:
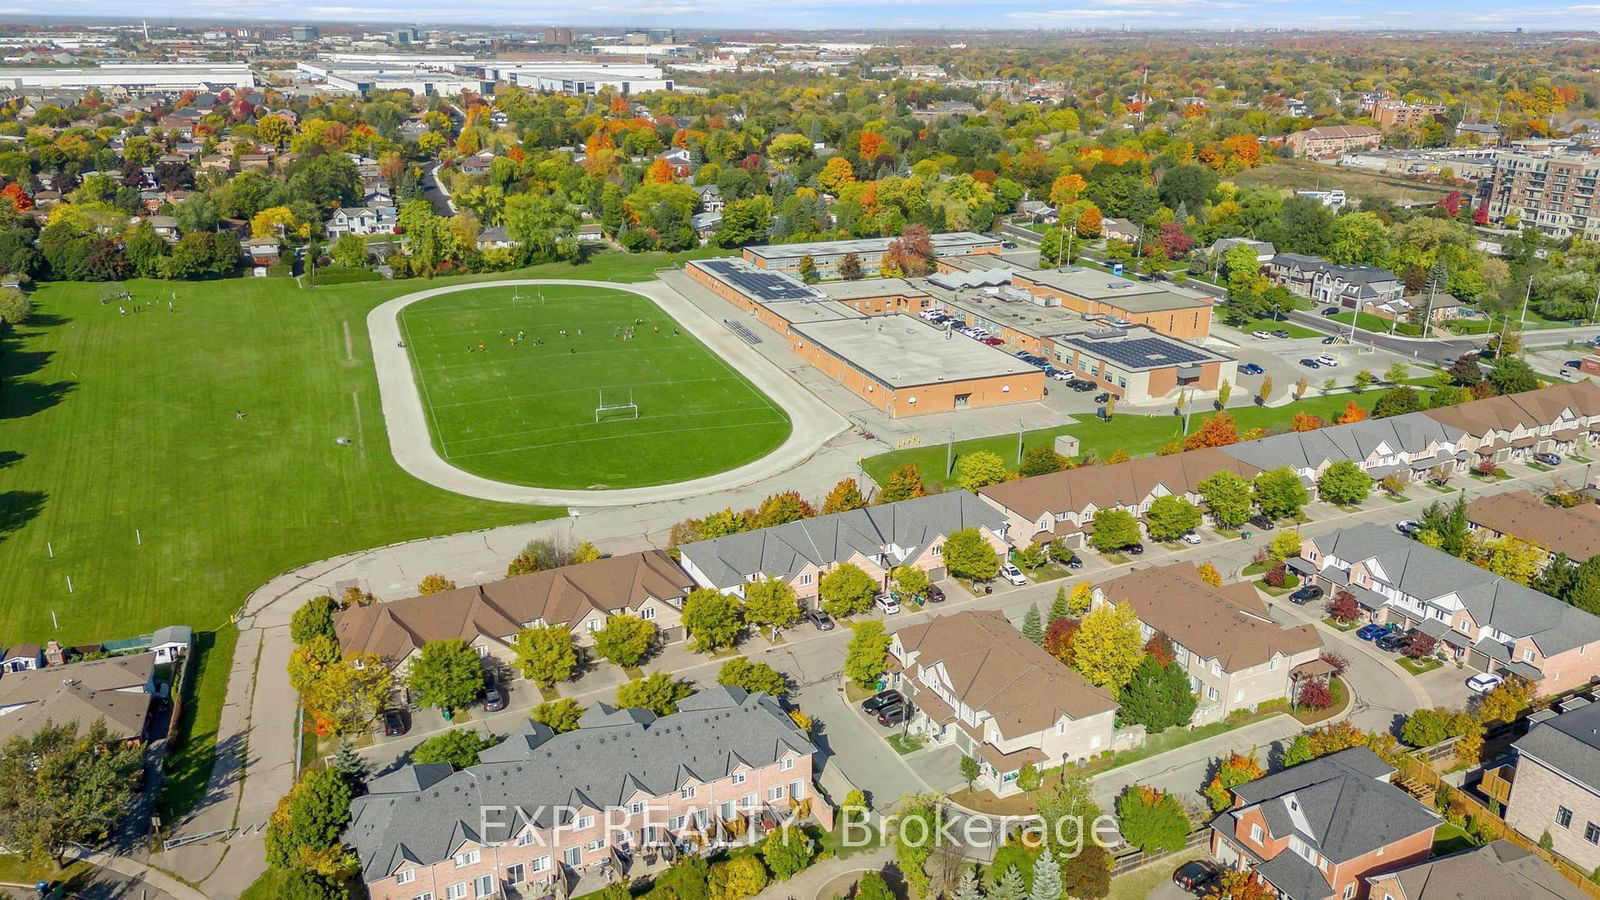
1447,686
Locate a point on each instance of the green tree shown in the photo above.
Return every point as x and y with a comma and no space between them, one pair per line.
313,618
847,590
979,469
305,829
688,879
347,695
1009,886
625,640
1059,608
1449,526
1228,497
968,555
15,307
1345,483
1114,529
545,654
712,620
1157,697
737,878
1278,493
1108,646
787,851
1032,626
1360,238
808,269
1426,727
970,770
1152,820
864,659
755,677
873,887
1396,402
904,483
658,693
1046,878
1284,545
1087,875
349,250
1171,517
910,581
560,715
446,674
1039,461
912,842
458,747
770,603
1237,769
1511,375
60,787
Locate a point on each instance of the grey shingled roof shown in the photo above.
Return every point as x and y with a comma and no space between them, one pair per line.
1410,433
424,813
1498,869
1422,571
783,550
1568,743
1345,810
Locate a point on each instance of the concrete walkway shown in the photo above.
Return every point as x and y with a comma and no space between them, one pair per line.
406,417
148,874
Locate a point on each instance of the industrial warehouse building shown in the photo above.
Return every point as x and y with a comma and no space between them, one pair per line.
828,254
897,362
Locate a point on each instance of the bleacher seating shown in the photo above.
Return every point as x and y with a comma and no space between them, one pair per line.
743,331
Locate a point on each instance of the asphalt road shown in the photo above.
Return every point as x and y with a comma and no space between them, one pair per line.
1432,350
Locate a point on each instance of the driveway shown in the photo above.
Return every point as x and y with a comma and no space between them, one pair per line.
1447,685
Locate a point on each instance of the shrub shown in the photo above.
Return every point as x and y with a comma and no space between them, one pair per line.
1314,694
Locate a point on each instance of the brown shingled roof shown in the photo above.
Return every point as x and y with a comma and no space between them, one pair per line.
112,689
1229,623
994,669
1575,531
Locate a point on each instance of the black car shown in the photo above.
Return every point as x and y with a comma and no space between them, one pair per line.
1330,340
1310,363
1074,562
395,722
1102,397
1393,641
1196,876
494,699
1134,549
820,619
1306,594
935,595
882,699
1080,385
1330,310
1262,522
893,715
1280,333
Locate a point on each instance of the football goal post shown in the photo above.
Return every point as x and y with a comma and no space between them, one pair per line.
618,405
536,297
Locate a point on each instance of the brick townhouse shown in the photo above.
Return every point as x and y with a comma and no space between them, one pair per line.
541,807
1555,785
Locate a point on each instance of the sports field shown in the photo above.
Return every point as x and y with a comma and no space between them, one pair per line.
512,379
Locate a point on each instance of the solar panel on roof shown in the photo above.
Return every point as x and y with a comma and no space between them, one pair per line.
760,285
1142,352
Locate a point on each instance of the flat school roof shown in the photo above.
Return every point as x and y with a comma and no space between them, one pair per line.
903,351
944,242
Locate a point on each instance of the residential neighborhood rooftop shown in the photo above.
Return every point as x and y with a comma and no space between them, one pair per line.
1574,532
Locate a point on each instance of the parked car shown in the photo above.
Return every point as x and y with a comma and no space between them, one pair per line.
881,699
494,699
1196,876
1081,385
935,594
1328,359
1549,459
1484,682
1251,369
1075,562
1371,632
1330,339
1330,310
1059,375
1007,245
893,715
1262,522
819,619
888,604
1102,397
1573,364
1190,537
1408,527
1305,595
1261,335
1393,642
993,341
1280,333
1013,574
1310,363
395,722
1134,549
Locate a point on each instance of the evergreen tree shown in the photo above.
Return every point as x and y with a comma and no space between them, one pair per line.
1059,608
1046,878
347,762
1032,627
1009,887
1157,697
968,888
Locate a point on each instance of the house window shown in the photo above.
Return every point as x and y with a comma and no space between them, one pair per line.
594,625
797,789
585,822
725,811
539,864
525,838
483,650
677,823
466,859
1211,693
514,873
405,877
1563,817
572,855
596,845
1255,833
687,793
636,807
1349,890
425,895
805,577
938,549
1272,666
1591,833
738,778
786,764
484,885
647,613
456,891
1527,655
775,793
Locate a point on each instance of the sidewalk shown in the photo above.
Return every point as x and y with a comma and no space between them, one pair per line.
809,883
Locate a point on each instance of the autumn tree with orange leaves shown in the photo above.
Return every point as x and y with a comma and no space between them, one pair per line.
660,172
1217,431
1306,422
19,198
870,144
1352,413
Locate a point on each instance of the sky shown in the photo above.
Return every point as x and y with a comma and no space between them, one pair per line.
706,15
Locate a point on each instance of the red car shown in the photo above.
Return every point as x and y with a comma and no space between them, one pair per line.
993,341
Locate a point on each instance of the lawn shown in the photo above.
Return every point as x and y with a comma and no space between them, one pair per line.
1141,883
1418,666
1139,435
1448,839
1269,325
188,763
1368,322
127,470
512,379
1301,174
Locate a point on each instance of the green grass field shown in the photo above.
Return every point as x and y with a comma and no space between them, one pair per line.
122,454
1270,325
524,411
1138,434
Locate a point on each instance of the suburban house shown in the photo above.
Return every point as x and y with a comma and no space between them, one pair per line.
1481,620
1264,250
710,198
488,616
1038,211
1316,830
1520,514
875,538
977,683
22,658
1555,784
540,806
1120,229
1557,419
1351,287
1236,656
1410,446
362,220
1497,869
495,237
118,689
1059,505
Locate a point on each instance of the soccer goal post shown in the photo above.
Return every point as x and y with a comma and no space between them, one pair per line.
618,405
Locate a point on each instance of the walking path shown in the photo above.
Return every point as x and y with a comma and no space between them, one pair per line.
405,415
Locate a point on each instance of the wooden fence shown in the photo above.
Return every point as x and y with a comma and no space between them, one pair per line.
1127,861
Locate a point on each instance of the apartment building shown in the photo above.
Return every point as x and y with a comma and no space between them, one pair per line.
978,684
1316,830
1482,621
1554,192
1392,114
1332,140
488,616
1555,784
1236,656
541,807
